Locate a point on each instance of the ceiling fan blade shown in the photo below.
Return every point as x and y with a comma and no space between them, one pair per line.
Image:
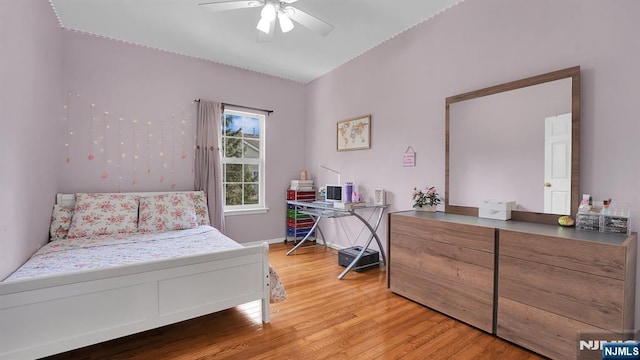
313,23
288,1
230,5
263,38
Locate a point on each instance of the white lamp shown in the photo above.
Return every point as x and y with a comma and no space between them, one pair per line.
264,25
268,14
286,24
335,171
268,11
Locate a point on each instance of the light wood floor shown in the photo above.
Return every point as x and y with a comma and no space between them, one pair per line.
323,318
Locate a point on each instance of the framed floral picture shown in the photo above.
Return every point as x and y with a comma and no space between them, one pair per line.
354,134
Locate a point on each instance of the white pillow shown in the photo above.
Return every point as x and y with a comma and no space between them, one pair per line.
167,212
60,222
103,214
202,210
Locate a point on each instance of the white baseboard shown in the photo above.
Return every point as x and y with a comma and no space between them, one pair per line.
335,246
280,240
270,241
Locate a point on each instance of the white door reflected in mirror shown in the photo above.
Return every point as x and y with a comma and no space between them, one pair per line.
557,164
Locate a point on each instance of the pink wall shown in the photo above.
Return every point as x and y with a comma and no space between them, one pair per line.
30,69
478,43
140,84
403,83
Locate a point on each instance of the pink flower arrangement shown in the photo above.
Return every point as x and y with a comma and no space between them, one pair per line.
428,197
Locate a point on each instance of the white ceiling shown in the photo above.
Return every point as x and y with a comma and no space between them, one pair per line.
181,26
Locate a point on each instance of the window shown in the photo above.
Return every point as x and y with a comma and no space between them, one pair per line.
243,160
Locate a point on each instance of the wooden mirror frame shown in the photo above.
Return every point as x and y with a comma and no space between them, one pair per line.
574,74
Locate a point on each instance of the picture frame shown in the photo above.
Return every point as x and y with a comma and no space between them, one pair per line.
379,197
354,133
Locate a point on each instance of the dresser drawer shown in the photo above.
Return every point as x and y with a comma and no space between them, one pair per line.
468,236
591,299
585,256
542,331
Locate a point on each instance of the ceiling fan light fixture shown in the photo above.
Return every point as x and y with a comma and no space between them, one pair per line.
286,24
268,12
264,25
273,11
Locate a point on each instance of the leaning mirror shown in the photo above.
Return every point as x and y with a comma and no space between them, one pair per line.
518,141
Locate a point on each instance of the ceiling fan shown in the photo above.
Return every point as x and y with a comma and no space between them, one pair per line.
273,10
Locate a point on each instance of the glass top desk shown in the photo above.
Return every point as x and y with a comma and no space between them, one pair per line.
319,209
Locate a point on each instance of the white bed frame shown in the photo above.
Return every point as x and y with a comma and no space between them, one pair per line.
49,315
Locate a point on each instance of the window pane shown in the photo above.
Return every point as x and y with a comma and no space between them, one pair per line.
233,194
251,173
232,125
251,193
251,148
251,127
233,173
233,147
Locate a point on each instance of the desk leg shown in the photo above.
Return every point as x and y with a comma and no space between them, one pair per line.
321,234
315,226
373,235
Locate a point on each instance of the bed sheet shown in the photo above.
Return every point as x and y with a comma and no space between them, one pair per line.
103,251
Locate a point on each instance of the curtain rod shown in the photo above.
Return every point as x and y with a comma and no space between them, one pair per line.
242,106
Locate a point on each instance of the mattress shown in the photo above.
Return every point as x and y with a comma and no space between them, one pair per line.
104,251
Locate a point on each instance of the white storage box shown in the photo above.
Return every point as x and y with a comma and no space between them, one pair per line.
496,209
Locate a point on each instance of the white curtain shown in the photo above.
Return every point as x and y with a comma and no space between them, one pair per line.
208,163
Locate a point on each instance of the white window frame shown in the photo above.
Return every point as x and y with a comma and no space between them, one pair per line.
260,161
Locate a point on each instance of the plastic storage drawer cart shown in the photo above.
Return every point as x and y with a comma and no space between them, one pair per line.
299,225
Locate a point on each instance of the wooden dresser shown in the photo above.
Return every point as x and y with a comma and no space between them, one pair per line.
532,284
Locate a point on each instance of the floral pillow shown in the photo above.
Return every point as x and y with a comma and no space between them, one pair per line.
60,222
167,212
102,214
202,210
